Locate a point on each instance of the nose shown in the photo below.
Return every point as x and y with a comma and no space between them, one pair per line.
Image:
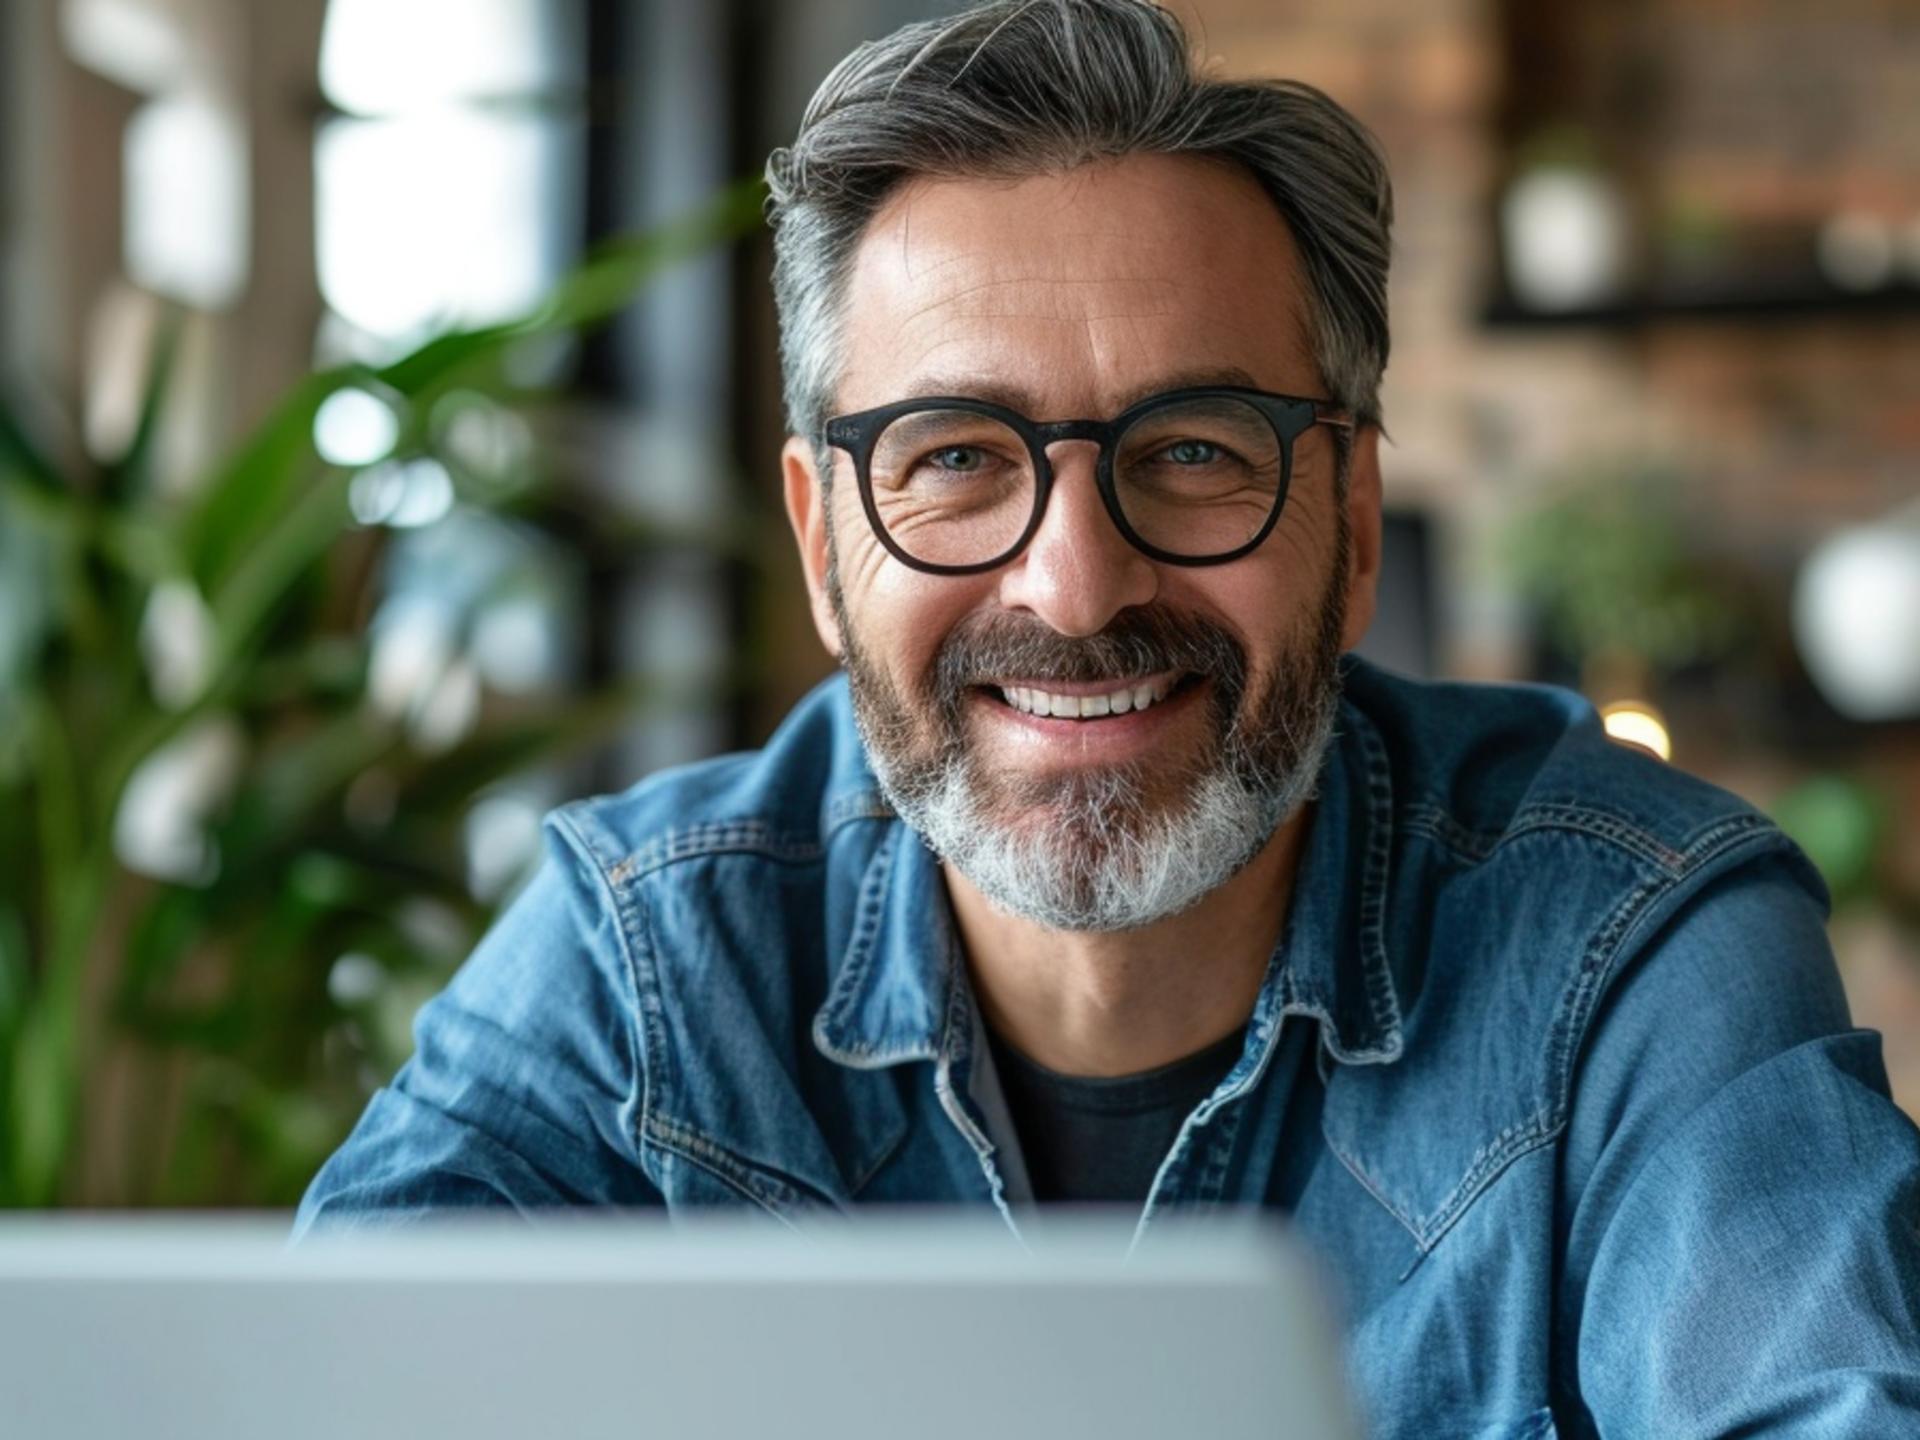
1078,571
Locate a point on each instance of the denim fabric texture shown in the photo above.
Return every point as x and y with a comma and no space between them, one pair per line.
1551,1064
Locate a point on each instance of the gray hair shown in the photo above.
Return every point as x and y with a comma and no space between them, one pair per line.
1021,87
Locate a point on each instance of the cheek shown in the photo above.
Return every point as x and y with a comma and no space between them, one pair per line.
899,617
1300,549
1267,608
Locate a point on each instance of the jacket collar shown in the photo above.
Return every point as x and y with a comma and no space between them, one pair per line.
1332,959
900,979
896,983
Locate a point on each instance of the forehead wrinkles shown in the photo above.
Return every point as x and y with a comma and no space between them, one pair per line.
975,307
980,260
973,279
944,270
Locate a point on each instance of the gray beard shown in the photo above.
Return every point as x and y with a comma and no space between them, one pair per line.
1093,850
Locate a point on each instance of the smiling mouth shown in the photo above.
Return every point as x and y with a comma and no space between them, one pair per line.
1121,699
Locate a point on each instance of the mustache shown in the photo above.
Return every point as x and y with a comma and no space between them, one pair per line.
1144,640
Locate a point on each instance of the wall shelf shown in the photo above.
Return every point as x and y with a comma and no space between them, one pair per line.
1814,300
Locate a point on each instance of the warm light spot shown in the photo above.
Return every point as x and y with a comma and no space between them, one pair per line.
1634,722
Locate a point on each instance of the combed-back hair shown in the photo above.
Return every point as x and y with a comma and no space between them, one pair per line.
1023,87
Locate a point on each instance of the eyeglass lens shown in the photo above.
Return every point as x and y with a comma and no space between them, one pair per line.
1196,478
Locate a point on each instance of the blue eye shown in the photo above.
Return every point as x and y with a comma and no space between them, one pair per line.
959,458
1193,452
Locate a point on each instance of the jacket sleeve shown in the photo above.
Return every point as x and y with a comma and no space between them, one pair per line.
524,1083
1740,1237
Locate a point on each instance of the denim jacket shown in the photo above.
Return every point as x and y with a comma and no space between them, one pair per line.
1551,1065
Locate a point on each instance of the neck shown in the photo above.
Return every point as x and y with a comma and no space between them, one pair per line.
1117,1003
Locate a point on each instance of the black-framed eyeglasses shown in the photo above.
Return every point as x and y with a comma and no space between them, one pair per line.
956,486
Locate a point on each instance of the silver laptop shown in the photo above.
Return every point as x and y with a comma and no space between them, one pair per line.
926,1325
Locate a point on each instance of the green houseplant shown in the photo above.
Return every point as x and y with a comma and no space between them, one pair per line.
176,1041
1620,588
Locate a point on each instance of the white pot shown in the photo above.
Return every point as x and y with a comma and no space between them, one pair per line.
1566,239
1856,618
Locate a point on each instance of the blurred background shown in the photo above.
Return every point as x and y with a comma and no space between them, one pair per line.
388,430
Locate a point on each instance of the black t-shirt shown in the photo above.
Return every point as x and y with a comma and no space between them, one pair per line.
1102,1139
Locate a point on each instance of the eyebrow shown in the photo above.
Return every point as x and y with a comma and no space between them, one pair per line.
998,391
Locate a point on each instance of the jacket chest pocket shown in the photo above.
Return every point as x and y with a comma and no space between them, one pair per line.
692,1172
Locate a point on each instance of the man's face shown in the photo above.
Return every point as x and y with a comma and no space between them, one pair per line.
1071,296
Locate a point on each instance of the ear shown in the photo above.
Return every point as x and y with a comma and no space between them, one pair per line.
1363,525
806,512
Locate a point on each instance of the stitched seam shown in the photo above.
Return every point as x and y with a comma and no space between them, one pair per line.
1293,1003
630,923
956,1035
753,837
1219,1155
859,953
780,1184
1381,998
886,1153
1437,824
1602,952
843,810
1480,846
1372,1187
1599,823
776,1196
1596,964
956,1045
1488,1164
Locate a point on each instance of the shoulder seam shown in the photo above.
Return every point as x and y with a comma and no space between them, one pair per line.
1477,846
1568,1028
623,905
1599,961
716,837
748,836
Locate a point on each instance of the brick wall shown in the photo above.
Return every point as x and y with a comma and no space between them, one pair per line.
1765,116
1768,117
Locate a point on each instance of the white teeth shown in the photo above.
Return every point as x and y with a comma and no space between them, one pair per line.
1085,707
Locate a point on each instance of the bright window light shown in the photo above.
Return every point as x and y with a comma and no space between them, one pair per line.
120,336
355,427
140,44
160,828
434,220
408,495
515,646
186,200
503,843
383,57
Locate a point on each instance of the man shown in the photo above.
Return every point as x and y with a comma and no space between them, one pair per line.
1101,875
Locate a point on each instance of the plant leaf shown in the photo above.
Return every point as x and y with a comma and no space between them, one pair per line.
508,747
255,488
42,1109
606,282
21,457
133,470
